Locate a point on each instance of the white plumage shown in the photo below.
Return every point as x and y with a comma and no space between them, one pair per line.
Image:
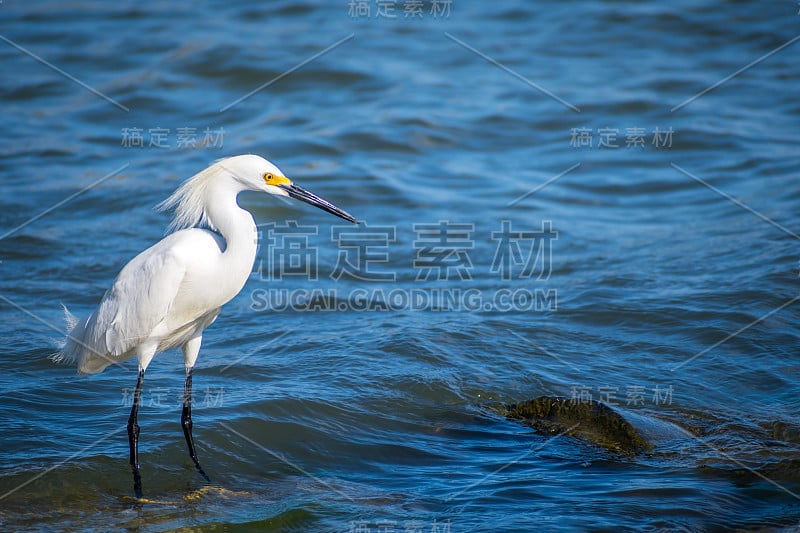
168,294
153,304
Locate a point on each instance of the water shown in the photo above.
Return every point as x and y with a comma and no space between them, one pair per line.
657,268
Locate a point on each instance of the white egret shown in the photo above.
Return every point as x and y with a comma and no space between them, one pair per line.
168,294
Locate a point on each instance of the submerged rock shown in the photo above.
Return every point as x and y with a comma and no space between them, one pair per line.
612,428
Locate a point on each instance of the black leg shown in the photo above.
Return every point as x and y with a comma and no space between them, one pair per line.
133,436
186,423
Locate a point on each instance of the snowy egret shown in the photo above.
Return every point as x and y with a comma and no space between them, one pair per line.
168,294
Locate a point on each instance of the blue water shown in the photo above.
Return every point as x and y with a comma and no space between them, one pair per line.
590,200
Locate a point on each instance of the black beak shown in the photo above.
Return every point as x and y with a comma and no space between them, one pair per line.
299,193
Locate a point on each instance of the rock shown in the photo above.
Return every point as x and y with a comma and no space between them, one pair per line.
615,429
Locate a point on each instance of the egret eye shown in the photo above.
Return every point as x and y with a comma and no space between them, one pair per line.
268,177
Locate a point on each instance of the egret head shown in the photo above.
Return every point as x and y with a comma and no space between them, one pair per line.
192,199
257,174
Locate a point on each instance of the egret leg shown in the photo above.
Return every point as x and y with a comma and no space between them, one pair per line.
186,423
133,436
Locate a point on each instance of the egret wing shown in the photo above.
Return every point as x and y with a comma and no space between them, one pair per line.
137,302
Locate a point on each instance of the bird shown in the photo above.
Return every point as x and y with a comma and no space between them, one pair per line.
166,296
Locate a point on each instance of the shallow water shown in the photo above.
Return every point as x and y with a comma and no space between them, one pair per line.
576,199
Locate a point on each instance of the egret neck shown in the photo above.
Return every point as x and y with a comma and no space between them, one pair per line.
237,228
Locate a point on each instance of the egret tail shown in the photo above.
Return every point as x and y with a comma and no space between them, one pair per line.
73,350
